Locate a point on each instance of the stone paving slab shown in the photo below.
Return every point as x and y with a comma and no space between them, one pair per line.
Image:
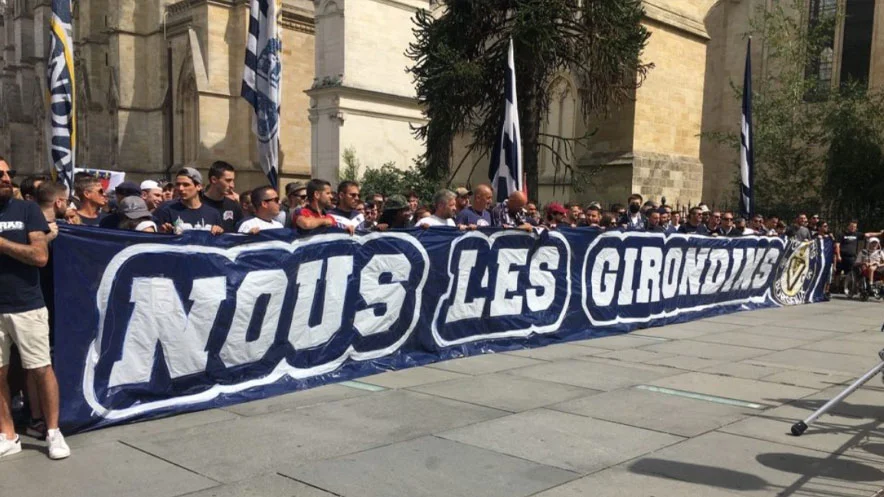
810,379
619,482
430,467
685,362
842,346
246,447
813,360
738,337
761,468
690,329
567,441
100,470
822,325
748,369
594,375
411,377
655,411
271,485
634,355
294,400
796,333
149,428
617,342
484,364
830,434
506,392
734,388
872,335
558,351
705,350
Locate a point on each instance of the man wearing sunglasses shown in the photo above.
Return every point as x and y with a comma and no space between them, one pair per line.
92,201
265,200
24,319
345,213
728,228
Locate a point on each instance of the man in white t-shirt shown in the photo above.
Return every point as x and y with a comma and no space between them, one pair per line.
445,205
266,203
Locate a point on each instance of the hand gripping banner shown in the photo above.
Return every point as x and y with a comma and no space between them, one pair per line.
153,325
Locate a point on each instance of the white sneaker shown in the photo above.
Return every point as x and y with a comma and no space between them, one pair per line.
58,449
9,447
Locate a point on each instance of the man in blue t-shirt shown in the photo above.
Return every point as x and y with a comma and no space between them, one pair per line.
477,215
24,320
188,212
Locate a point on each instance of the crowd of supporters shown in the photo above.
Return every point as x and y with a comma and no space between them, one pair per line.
31,211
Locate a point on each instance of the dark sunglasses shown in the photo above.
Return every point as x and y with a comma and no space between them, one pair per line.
302,197
352,195
10,173
274,199
728,219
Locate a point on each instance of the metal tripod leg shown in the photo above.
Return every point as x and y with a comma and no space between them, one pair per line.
801,426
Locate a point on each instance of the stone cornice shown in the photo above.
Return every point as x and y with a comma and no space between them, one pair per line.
668,17
292,17
363,94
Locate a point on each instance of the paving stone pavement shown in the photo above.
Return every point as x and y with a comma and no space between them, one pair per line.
695,409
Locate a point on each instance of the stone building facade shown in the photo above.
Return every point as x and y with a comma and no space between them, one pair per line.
158,85
159,82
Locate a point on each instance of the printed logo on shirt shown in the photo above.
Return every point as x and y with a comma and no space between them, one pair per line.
228,215
201,226
482,222
11,226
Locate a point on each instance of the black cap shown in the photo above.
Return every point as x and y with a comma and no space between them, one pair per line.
128,189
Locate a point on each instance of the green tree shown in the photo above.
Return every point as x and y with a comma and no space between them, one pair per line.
817,145
460,62
350,172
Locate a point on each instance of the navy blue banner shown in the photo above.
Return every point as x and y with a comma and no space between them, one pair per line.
149,325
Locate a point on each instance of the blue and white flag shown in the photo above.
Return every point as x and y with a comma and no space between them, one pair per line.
262,82
506,173
747,159
62,132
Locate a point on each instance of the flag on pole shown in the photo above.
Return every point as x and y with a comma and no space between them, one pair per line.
62,132
261,82
506,172
747,159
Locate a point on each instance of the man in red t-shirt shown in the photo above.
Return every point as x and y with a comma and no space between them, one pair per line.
313,215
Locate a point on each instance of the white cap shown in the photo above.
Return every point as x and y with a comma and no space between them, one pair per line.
874,239
149,185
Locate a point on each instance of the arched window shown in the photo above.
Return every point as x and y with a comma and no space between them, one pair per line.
188,109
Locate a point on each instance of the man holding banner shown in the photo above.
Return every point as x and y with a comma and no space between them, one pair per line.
24,319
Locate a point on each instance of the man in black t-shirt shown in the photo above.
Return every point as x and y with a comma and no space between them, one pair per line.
847,248
222,181
24,319
188,212
694,224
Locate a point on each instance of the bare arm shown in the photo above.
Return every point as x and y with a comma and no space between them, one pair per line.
35,253
311,223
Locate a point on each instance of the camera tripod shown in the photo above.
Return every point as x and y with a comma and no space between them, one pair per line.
801,426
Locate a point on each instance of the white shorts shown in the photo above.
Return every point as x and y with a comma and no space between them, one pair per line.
30,332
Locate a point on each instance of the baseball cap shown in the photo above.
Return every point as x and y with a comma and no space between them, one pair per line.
395,203
191,173
704,209
462,192
127,189
149,185
556,208
134,208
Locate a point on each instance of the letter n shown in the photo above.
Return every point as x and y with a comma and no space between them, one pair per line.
159,317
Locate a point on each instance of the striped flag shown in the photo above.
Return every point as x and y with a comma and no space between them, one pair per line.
747,159
62,126
506,173
261,82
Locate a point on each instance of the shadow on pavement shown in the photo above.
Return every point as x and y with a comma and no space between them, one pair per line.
697,473
807,466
